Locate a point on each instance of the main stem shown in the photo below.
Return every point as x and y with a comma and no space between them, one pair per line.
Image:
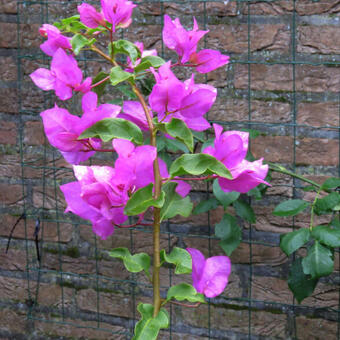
156,211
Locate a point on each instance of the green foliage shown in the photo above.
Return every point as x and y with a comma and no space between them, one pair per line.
180,258
229,233
198,164
327,204
117,75
327,235
143,199
204,206
148,327
290,207
171,145
149,61
179,130
299,283
174,204
184,291
78,41
71,24
99,89
133,263
318,262
125,47
244,210
331,183
225,198
110,128
294,240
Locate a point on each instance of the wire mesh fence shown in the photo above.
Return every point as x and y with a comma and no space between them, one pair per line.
284,82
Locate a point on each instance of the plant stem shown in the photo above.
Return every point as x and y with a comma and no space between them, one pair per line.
283,170
156,211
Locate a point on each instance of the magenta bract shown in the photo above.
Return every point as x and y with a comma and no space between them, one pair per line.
209,276
231,149
187,101
90,17
54,40
64,76
62,129
118,12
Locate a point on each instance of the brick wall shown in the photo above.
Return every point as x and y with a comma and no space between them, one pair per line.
77,291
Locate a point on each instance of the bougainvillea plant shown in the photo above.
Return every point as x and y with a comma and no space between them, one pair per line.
169,113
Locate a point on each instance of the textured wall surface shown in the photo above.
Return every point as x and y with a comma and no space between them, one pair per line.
284,81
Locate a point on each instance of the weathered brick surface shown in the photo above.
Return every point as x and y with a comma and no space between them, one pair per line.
93,282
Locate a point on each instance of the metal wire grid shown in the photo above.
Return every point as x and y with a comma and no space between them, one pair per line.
51,172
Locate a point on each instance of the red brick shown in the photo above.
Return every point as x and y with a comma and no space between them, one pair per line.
9,100
11,194
34,133
8,133
319,39
12,321
280,78
234,38
8,6
79,329
260,111
273,149
9,39
318,114
317,329
313,151
49,229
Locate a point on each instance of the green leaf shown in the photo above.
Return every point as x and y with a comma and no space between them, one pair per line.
78,41
331,183
109,128
180,258
327,204
175,145
174,204
179,130
199,135
125,89
133,263
184,291
335,223
229,233
204,206
125,47
299,283
294,240
245,211
148,327
149,61
209,142
318,262
99,89
290,207
198,164
226,198
141,200
326,235
117,75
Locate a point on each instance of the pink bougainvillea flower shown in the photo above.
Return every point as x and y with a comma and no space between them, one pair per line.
187,101
118,12
90,17
231,149
209,276
185,42
99,195
208,60
144,53
54,40
62,129
138,162
64,76
176,38
133,111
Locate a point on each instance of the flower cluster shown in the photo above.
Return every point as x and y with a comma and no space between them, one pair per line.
100,193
